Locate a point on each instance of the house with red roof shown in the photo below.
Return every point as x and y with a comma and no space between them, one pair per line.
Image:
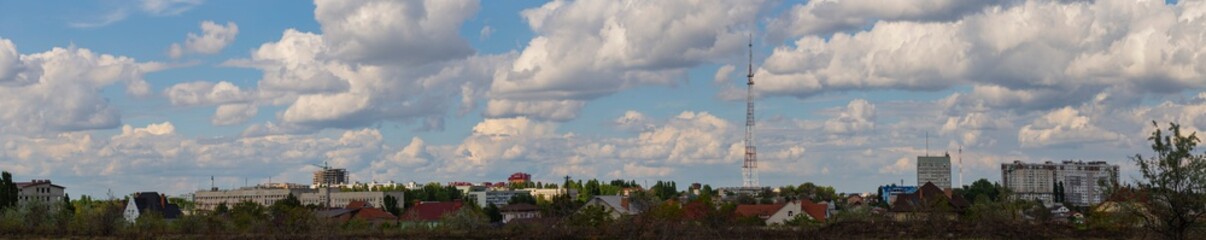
780,213
429,213
359,210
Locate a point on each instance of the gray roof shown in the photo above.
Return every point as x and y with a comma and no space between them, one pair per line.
332,212
616,203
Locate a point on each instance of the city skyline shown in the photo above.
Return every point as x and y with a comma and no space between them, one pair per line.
160,95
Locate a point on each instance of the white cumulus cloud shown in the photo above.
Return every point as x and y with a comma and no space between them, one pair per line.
214,37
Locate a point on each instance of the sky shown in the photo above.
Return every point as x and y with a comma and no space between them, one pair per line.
161,95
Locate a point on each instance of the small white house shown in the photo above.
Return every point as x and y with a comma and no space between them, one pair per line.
144,202
131,213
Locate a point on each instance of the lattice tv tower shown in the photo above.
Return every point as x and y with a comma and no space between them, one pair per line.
749,171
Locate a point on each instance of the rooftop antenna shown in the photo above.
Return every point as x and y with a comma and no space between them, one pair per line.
960,165
211,183
750,167
927,143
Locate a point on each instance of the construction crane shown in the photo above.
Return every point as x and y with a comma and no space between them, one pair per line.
324,166
326,181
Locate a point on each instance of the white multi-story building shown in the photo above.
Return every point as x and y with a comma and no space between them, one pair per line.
496,197
484,196
548,193
341,199
1083,182
208,200
39,190
934,169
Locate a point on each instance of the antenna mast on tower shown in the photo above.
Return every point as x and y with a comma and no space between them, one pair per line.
960,165
750,168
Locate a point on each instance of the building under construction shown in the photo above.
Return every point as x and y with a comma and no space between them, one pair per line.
330,177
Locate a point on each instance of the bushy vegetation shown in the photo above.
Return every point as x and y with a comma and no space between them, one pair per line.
700,217
1173,185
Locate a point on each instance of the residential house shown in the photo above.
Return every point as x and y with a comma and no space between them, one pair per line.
617,205
429,213
519,211
143,203
39,190
780,213
855,200
1061,214
927,201
359,210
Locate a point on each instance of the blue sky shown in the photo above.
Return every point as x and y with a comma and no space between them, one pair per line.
473,91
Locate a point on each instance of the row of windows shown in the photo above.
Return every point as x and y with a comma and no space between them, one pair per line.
43,198
39,190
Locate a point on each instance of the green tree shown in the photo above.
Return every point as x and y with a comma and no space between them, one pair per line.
562,205
522,198
1060,195
591,216
247,208
281,207
391,205
67,206
984,188
665,190
184,204
247,215
8,191
1175,181
493,213
221,209
150,223
467,218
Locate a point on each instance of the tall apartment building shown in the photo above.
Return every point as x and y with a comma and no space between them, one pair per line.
935,169
1083,181
330,176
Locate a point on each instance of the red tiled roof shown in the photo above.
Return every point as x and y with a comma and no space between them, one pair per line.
373,214
430,211
817,211
356,204
758,210
694,210
519,176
